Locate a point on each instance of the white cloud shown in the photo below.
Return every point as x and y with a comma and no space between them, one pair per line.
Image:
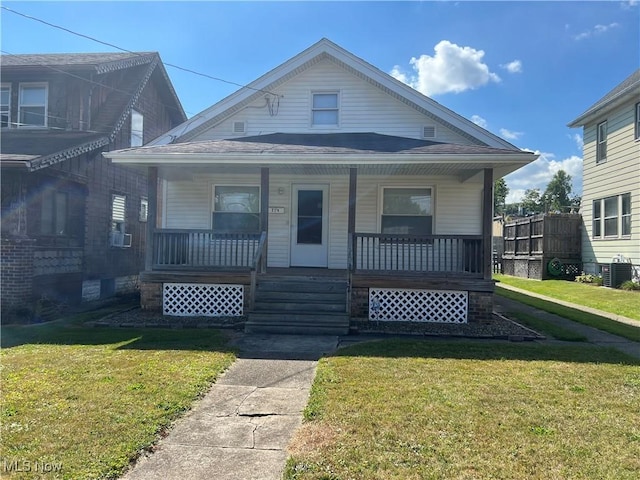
509,135
577,138
478,120
539,173
513,67
629,4
596,30
452,69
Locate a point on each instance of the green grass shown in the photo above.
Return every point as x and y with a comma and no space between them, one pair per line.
616,328
619,302
90,399
546,327
410,410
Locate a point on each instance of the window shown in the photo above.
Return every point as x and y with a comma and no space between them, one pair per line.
324,109
5,106
637,120
144,209
612,217
118,213
236,209
53,214
406,211
137,129
32,108
601,152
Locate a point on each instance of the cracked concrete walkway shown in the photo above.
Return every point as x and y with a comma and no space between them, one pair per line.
241,428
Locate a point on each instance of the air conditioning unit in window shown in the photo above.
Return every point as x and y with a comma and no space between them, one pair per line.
119,239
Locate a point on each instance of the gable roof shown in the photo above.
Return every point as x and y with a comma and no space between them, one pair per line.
628,88
325,49
37,149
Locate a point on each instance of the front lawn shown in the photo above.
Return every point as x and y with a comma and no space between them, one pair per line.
619,302
430,410
82,402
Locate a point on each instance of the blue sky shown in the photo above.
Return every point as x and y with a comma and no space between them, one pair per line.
523,70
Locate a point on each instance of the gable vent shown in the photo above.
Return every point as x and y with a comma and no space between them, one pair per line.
239,127
429,131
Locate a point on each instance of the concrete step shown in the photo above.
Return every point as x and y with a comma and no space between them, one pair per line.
301,286
300,297
296,329
298,317
297,306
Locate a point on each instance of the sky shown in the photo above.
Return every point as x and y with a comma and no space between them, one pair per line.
522,70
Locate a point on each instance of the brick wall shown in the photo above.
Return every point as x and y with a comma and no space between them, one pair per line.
151,296
16,256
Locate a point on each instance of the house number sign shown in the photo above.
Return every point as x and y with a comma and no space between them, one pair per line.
276,209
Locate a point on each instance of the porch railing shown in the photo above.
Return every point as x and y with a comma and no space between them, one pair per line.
201,249
441,254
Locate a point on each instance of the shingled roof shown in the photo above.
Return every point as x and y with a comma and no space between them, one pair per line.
629,86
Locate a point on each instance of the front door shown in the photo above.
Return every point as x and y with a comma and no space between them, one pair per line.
309,226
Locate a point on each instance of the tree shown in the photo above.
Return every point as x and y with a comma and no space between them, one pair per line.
532,201
556,196
500,192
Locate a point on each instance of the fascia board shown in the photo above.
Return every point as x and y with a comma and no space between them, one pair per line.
591,116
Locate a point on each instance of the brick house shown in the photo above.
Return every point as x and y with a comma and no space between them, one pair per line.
73,224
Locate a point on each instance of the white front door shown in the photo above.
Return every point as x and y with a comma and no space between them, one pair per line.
309,226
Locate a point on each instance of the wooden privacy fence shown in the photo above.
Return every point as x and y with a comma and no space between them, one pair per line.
461,254
543,246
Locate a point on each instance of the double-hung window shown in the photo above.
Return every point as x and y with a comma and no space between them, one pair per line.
407,211
236,209
54,213
32,105
612,217
324,109
5,105
637,121
601,142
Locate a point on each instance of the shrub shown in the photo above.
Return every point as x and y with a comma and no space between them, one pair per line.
630,285
590,279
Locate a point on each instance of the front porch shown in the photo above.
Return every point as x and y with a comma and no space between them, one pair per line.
401,278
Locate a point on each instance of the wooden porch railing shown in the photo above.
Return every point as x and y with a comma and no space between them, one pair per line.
201,249
438,254
259,265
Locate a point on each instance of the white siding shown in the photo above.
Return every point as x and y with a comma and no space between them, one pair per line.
620,174
457,207
363,108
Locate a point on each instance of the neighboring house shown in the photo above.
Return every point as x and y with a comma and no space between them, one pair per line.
74,224
611,180
366,199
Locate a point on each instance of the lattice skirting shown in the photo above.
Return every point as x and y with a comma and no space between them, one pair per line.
202,299
400,305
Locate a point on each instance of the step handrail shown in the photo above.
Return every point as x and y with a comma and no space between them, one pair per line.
259,263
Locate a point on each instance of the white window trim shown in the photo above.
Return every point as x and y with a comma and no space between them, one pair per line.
381,190
144,209
8,86
311,109
141,139
213,197
46,103
637,124
619,216
600,141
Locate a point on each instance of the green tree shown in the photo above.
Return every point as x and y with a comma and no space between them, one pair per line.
556,196
500,192
532,201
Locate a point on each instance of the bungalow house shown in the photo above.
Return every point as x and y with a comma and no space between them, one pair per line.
611,178
74,224
323,191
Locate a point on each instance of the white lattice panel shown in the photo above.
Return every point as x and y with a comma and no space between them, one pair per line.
399,305
202,299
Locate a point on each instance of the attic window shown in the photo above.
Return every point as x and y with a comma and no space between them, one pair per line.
429,131
239,127
324,109
137,129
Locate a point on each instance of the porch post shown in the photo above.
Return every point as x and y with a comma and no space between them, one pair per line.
152,210
353,186
264,211
487,214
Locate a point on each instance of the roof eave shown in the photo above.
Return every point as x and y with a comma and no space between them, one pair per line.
593,114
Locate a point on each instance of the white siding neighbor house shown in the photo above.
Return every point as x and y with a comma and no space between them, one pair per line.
323,191
611,193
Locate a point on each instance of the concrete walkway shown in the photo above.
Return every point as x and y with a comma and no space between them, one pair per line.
241,428
597,337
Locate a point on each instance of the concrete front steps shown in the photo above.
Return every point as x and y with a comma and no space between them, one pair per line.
314,305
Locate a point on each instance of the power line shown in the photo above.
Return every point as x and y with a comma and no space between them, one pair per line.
88,37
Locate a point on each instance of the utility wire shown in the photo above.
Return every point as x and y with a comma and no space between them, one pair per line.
188,70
